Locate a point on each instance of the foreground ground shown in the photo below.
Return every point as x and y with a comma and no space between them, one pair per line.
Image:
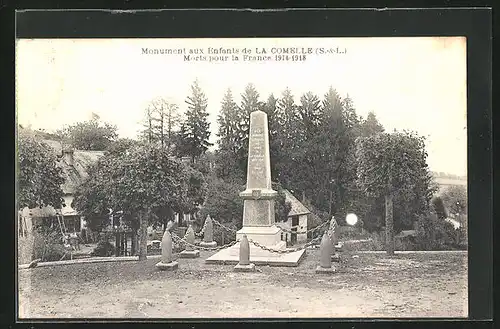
370,285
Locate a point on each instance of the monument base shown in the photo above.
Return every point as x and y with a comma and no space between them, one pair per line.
265,235
189,254
325,270
167,266
258,256
245,268
212,244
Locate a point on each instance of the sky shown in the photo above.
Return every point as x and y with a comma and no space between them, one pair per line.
410,83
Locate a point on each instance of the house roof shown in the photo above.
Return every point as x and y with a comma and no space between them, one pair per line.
76,173
297,207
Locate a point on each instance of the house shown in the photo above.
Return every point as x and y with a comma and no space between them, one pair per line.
74,165
297,220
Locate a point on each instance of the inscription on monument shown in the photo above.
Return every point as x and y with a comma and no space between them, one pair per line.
257,149
258,208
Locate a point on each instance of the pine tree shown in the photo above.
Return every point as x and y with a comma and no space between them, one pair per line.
371,126
229,142
310,114
333,128
309,151
286,138
270,107
195,130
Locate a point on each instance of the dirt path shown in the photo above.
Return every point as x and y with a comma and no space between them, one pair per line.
409,285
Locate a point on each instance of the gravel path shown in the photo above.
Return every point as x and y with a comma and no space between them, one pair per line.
371,285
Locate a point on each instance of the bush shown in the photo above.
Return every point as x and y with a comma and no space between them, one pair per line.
228,235
376,242
434,233
47,244
103,249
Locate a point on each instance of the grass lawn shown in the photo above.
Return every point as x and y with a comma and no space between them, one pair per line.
372,285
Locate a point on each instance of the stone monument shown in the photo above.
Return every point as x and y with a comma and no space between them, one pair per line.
258,205
189,251
208,234
244,264
167,263
325,262
334,237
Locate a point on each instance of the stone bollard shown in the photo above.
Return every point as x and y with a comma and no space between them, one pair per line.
167,263
208,234
332,232
190,252
244,264
325,261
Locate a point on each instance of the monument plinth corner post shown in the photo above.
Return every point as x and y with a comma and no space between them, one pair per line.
189,251
259,197
244,264
167,262
208,234
325,249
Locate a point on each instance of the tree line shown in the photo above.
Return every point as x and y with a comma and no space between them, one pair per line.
330,157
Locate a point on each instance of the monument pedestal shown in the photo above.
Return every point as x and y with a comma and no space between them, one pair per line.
189,254
167,266
265,235
212,244
258,256
258,206
245,268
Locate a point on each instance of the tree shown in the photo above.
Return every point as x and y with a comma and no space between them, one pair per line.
439,207
390,164
371,126
39,179
434,233
161,122
455,199
92,135
270,107
286,135
195,130
249,103
121,145
334,129
145,183
229,142
307,155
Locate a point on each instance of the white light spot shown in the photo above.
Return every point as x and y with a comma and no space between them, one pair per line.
351,219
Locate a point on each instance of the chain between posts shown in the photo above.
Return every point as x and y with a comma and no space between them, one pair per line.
286,251
283,229
224,227
177,238
308,231
255,243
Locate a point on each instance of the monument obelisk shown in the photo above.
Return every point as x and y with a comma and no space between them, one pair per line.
259,197
258,206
